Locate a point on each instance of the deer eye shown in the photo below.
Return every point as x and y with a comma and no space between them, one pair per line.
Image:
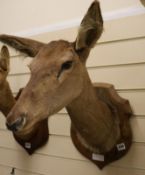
3,69
65,66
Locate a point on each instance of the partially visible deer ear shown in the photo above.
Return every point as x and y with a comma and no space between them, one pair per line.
27,46
90,29
4,58
143,2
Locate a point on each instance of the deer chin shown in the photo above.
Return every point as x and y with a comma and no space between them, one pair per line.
29,127
22,132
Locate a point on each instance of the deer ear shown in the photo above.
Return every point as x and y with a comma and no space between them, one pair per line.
143,2
90,29
27,46
4,58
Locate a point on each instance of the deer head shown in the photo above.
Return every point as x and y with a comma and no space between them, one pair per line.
58,72
39,135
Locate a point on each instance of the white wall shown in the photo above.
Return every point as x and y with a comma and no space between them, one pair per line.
17,16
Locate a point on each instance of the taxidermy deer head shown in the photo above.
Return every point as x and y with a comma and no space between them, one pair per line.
39,134
59,78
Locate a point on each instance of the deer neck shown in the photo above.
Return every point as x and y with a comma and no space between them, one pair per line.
90,117
7,100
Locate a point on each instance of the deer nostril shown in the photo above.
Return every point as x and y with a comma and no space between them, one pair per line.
17,125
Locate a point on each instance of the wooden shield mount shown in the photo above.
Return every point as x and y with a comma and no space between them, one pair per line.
36,139
120,107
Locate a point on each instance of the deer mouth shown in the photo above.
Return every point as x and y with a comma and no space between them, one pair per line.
17,125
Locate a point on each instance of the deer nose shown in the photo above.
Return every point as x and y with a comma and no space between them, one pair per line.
17,124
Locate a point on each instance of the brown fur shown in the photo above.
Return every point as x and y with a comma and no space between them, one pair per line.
6,98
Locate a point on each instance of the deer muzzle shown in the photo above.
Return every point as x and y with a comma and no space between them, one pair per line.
18,124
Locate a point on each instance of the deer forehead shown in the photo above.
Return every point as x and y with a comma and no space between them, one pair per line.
54,54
